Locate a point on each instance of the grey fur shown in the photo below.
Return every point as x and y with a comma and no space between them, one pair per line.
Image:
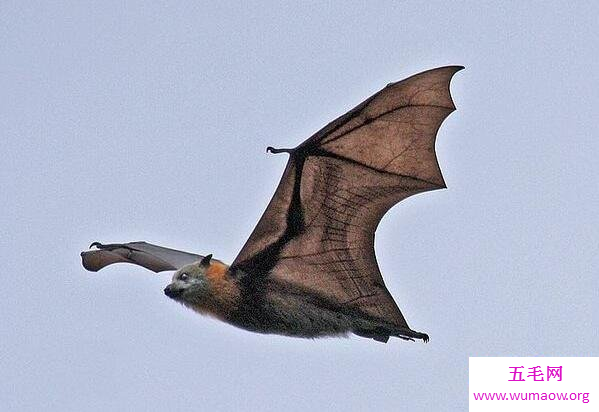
285,310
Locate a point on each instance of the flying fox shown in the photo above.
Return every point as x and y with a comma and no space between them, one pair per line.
309,268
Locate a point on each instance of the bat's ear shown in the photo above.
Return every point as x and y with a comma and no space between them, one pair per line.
205,262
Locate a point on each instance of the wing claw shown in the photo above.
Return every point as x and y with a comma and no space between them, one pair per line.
271,149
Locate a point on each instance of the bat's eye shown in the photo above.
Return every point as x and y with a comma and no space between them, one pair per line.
184,276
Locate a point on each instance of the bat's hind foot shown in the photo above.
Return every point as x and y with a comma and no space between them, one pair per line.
418,335
382,334
409,334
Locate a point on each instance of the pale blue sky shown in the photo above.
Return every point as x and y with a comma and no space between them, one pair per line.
149,121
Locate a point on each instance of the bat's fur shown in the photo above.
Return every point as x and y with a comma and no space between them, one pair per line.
209,288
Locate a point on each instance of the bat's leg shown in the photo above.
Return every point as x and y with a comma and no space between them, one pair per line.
271,149
377,335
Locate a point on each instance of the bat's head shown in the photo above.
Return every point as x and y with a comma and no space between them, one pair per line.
190,280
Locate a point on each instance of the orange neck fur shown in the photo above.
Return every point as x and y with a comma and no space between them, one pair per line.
224,292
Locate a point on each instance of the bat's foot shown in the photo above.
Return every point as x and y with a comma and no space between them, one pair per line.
418,335
271,149
381,334
409,334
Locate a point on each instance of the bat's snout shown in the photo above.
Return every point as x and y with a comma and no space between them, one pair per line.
172,292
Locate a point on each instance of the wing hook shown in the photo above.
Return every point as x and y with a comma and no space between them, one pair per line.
271,149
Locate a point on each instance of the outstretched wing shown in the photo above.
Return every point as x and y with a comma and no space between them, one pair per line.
155,258
318,230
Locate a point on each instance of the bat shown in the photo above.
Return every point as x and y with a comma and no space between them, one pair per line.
309,268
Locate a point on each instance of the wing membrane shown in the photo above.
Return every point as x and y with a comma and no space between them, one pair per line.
318,230
153,257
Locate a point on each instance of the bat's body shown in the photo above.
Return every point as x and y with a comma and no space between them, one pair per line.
284,309
309,269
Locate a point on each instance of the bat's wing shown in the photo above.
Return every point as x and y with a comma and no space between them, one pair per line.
318,230
155,258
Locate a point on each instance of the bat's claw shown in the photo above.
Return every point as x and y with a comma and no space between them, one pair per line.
271,149
96,244
425,338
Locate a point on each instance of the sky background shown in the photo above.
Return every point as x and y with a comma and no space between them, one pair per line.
124,121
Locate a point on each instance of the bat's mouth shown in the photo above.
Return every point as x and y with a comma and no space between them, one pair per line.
172,292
